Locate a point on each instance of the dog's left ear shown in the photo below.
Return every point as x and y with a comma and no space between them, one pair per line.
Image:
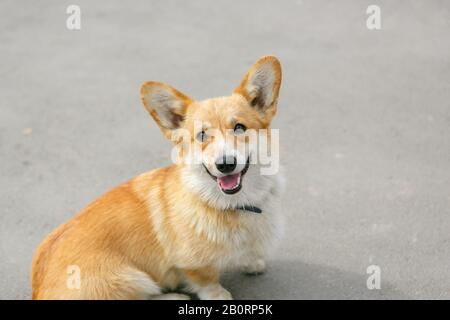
261,85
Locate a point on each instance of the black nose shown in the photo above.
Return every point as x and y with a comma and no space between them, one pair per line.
227,164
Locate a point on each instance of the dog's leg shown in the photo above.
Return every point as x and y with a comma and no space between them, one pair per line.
137,284
205,283
255,265
171,296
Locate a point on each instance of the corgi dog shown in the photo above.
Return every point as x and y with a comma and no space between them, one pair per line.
182,225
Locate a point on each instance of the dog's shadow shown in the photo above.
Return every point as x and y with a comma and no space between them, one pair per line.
298,280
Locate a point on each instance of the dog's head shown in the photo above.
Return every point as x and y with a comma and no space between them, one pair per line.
215,138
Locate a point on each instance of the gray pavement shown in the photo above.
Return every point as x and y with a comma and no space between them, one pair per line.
364,119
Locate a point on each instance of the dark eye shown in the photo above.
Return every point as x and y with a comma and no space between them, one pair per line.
239,128
201,136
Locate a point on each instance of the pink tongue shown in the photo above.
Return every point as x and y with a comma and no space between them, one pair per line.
229,182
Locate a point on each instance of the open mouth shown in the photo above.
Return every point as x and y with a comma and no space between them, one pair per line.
232,183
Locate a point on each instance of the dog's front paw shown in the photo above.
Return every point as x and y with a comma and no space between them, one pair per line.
256,267
216,292
172,296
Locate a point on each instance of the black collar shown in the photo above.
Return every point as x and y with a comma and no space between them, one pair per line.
249,208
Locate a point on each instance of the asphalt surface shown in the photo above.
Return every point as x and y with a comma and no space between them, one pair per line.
364,119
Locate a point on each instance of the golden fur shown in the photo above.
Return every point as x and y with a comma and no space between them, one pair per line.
154,232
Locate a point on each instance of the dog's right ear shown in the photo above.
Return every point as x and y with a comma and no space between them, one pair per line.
165,104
